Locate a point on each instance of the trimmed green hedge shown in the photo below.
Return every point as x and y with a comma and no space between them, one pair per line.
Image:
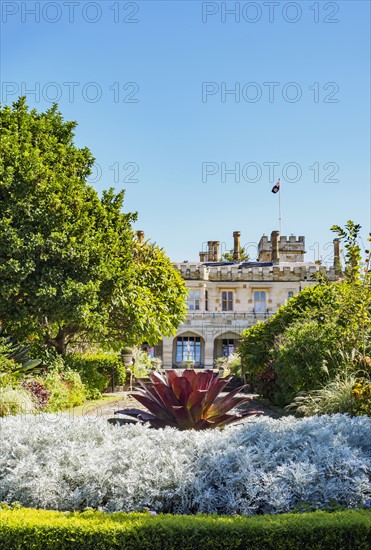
46,530
96,369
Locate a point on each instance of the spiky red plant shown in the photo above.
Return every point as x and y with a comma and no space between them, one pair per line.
187,400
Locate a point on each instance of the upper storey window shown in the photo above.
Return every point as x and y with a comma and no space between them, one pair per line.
227,300
260,301
194,300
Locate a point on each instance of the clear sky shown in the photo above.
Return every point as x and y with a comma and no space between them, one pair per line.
197,108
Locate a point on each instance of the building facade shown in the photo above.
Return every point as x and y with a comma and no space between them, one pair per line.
225,298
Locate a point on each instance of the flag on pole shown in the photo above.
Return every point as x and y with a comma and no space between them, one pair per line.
276,187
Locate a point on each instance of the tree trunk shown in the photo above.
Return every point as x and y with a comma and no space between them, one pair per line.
59,342
61,347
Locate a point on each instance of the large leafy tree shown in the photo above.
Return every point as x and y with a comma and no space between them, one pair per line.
157,298
328,322
258,342
66,256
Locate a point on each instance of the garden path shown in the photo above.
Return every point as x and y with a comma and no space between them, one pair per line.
124,401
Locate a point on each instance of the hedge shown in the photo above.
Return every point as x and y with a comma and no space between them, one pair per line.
96,370
43,530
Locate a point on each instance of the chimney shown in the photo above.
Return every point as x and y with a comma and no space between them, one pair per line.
236,246
275,257
140,236
210,251
216,251
337,264
203,256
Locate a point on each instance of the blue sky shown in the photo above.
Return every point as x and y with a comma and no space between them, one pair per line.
148,83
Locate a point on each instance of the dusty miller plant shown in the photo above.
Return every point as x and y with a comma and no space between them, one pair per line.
262,466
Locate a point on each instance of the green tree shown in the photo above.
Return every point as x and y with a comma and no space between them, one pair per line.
338,313
62,249
305,356
356,308
229,256
156,302
68,264
258,342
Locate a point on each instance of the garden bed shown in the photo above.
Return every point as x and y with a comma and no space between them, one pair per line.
262,466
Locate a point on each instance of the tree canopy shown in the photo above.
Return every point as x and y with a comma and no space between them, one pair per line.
68,258
323,328
157,298
229,256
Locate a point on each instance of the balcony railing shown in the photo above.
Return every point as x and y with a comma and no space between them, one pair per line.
229,315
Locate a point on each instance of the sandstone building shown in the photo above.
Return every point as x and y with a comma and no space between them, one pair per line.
227,297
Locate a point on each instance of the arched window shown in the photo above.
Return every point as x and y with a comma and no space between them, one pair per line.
228,347
188,348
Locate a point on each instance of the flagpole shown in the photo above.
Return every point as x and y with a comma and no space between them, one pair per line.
277,189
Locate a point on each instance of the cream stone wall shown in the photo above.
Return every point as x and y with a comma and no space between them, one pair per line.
277,279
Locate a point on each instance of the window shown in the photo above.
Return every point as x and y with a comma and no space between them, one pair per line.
194,300
188,348
206,300
228,347
290,294
227,300
259,301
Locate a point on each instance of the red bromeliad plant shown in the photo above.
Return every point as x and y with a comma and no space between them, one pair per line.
187,400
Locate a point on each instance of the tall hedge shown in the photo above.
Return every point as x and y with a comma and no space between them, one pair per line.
257,343
96,370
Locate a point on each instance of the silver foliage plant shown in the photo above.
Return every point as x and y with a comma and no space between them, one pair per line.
261,466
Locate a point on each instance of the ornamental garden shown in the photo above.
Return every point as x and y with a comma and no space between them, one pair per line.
194,463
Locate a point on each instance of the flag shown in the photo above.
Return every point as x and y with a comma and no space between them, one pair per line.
276,187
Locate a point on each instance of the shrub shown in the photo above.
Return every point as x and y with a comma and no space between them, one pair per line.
263,466
14,360
231,364
257,343
8,379
142,364
220,362
58,390
15,401
187,400
299,358
65,389
89,369
50,358
361,392
156,363
92,530
96,370
76,389
6,364
267,383
337,396
340,310
38,391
